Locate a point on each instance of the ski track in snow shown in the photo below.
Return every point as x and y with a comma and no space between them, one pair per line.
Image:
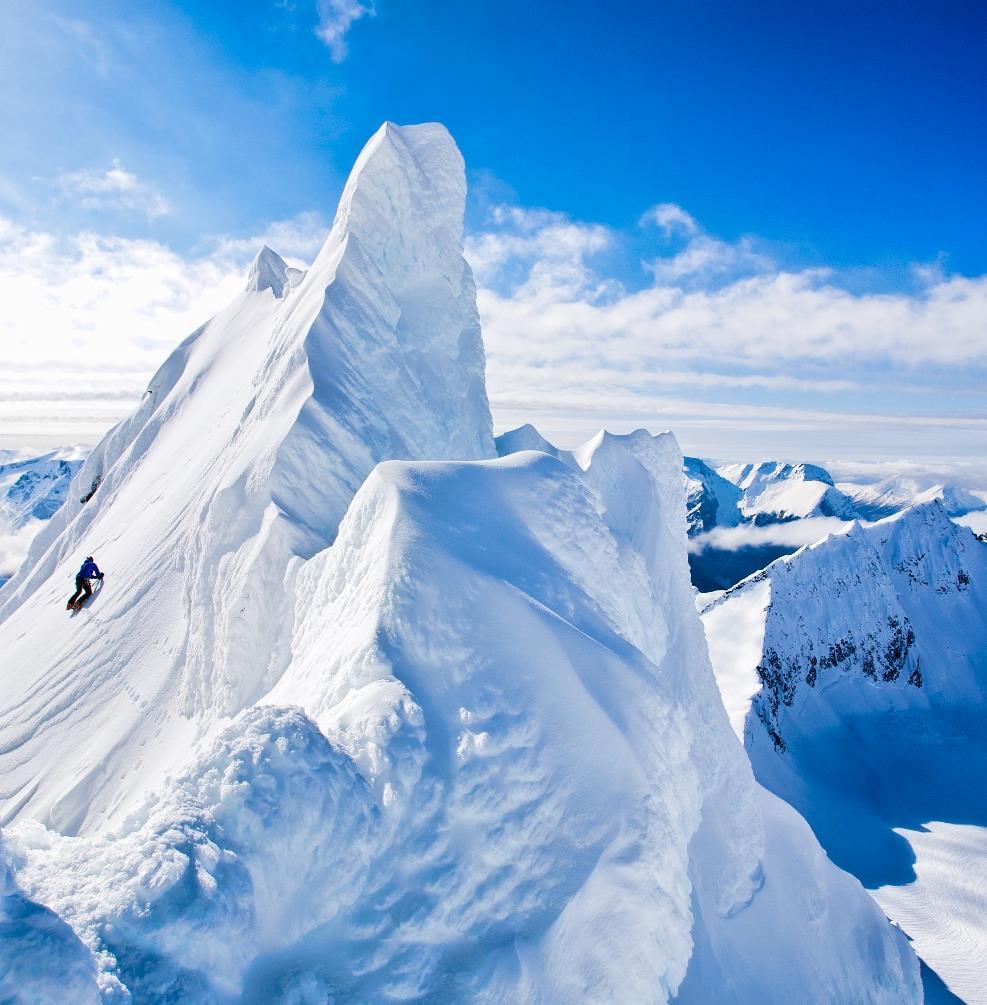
943,910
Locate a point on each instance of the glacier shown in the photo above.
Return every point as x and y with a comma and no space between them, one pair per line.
372,708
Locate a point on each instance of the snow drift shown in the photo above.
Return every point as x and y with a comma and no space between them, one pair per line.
512,779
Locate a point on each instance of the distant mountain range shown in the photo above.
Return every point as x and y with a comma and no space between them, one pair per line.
770,492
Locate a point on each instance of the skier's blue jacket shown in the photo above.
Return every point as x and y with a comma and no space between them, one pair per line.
89,571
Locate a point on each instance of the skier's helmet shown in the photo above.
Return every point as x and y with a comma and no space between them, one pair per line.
89,558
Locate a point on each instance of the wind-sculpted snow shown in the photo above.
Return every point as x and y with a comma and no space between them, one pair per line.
241,855
495,770
435,729
248,446
41,959
862,660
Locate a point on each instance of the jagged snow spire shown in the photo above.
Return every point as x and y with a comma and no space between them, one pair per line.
268,271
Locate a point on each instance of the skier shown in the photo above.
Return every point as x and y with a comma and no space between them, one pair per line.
83,590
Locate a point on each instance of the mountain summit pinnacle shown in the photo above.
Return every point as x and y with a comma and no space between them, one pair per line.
268,271
239,466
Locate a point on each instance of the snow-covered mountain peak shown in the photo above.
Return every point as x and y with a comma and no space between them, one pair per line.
748,476
268,271
404,199
854,671
526,437
711,500
776,491
894,494
240,461
864,603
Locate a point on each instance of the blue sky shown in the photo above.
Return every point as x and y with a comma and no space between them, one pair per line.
760,224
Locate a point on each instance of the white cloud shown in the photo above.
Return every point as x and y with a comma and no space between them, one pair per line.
977,522
737,365
671,219
541,285
86,320
794,534
113,189
722,337
335,19
297,240
14,546
706,259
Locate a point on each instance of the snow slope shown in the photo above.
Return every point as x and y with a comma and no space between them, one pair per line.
437,729
251,441
711,500
866,656
32,488
495,770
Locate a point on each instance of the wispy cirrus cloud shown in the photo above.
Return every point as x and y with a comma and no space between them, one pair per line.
336,17
113,189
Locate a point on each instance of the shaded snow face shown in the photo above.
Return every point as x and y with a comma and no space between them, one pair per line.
242,458
885,603
860,665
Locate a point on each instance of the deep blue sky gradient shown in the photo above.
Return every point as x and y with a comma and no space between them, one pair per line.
855,133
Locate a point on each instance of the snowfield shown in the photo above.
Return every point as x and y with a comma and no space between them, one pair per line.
366,713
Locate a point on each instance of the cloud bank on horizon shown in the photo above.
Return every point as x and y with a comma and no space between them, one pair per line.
719,339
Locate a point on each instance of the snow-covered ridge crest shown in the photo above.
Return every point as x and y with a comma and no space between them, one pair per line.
268,271
241,459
